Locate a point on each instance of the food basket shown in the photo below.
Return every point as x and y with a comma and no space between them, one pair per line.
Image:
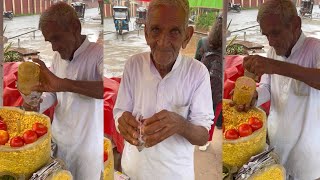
237,152
108,173
25,160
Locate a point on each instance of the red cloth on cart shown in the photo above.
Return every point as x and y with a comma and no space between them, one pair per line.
232,70
216,116
111,87
11,95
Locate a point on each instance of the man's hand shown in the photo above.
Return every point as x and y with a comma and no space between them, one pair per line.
259,65
48,81
161,126
128,127
244,107
27,107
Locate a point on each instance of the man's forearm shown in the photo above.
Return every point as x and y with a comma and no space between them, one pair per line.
92,89
196,135
309,76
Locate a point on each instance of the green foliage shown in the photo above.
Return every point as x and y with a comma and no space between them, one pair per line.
206,20
107,1
11,56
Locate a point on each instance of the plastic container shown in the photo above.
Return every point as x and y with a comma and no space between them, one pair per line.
244,90
108,173
29,158
28,76
273,172
236,153
60,175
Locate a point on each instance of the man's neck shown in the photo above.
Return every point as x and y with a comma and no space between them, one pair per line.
293,44
163,69
78,44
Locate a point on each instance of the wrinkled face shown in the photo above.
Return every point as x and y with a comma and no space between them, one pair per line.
166,33
62,40
280,35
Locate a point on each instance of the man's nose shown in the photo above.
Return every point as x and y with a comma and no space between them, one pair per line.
272,41
163,39
54,47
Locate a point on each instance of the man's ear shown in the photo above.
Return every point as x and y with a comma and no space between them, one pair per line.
75,26
188,35
297,23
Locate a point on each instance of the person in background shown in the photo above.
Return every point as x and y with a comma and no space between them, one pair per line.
209,52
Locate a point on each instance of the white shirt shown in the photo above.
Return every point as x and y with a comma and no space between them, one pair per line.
77,125
186,91
294,119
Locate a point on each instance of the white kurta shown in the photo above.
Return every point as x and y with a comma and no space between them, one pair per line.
186,91
294,120
77,126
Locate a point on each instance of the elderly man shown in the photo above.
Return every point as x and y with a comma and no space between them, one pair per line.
75,82
291,74
171,92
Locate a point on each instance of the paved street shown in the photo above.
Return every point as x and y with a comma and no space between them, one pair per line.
247,18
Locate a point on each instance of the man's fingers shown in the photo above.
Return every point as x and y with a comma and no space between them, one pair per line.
130,120
150,120
133,122
129,129
156,117
232,103
41,63
247,107
151,140
152,128
126,136
240,108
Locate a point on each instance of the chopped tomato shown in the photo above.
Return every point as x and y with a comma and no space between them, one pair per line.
16,141
40,129
30,136
105,156
255,123
4,137
245,130
3,126
231,134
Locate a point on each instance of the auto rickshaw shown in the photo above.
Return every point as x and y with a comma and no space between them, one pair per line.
121,18
80,8
141,16
306,7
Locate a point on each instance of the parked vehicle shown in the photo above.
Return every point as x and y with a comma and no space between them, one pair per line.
234,7
306,7
141,16
80,8
121,18
8,14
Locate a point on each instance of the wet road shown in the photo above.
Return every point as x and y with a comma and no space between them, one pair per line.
247,18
